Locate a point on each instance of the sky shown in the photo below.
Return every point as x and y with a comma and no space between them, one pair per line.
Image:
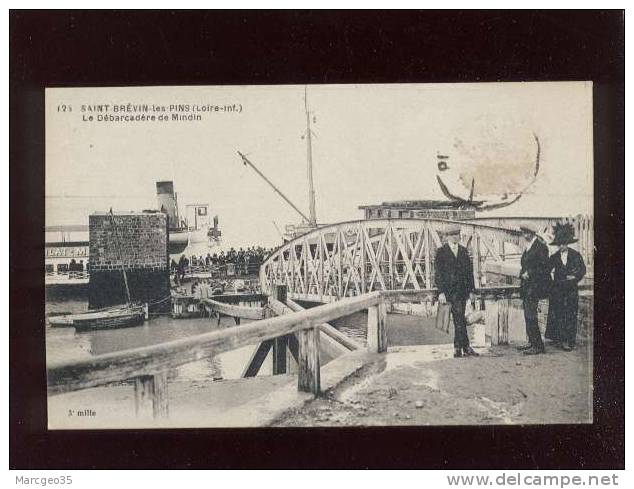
371,143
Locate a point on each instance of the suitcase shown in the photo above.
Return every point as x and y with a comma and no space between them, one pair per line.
443,317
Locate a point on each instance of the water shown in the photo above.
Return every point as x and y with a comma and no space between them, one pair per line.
66,345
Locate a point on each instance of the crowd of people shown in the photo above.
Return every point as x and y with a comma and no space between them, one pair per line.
238,262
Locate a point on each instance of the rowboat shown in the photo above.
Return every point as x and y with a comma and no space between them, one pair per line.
123,318
113,317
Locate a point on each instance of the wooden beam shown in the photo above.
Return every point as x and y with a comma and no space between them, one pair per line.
308,375
257,359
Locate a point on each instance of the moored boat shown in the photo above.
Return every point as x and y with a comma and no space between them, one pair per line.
92,319
122,318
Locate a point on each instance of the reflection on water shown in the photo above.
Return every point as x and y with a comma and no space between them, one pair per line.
64,344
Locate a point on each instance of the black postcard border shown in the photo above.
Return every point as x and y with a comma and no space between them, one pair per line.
93,48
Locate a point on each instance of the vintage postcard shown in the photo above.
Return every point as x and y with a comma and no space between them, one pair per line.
319,255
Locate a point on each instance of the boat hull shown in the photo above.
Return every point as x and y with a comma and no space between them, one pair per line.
113,321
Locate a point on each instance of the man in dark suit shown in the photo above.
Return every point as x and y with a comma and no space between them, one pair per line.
568,269
454,280
534,286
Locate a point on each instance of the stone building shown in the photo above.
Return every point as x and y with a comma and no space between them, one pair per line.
136,242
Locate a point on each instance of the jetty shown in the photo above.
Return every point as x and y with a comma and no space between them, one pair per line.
381,269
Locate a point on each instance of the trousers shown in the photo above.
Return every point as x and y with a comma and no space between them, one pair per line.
532,326
460,337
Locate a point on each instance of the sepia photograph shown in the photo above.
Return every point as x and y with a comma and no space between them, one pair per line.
319,255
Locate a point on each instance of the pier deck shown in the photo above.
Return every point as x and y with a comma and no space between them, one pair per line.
363,388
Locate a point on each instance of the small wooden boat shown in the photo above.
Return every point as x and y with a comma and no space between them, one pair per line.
67,319
123,318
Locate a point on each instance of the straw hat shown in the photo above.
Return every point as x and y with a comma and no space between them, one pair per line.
529,227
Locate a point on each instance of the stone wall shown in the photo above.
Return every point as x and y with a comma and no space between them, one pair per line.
136,243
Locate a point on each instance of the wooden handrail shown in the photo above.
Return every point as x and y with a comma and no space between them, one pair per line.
148,360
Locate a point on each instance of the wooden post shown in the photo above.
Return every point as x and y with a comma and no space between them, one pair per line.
503,321
497,320
279,355
279,293
151,388
308,378
377,328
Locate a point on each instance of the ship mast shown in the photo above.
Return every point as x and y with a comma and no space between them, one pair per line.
309,156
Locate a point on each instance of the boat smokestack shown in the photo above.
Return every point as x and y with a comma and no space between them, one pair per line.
167,201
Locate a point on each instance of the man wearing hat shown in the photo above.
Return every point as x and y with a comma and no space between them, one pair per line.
454,280
569,268
535,276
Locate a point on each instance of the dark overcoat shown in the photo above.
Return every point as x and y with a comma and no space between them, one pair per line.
454,275
564,297
535,263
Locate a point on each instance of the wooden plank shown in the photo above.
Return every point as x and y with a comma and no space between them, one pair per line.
308,375
237,298
245,312
257,359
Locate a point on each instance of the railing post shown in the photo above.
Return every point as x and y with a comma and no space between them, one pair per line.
279,355
279,293
151,388
497,320
377,327
308,378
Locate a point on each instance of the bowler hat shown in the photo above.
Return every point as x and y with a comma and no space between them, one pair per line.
564,234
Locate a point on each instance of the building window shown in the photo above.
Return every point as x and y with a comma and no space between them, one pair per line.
49,268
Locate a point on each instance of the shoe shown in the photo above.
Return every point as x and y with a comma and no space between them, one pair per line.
534,351
566,347
457,353
470,352
524,347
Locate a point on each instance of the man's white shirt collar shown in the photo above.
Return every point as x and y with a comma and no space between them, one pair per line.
564,256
